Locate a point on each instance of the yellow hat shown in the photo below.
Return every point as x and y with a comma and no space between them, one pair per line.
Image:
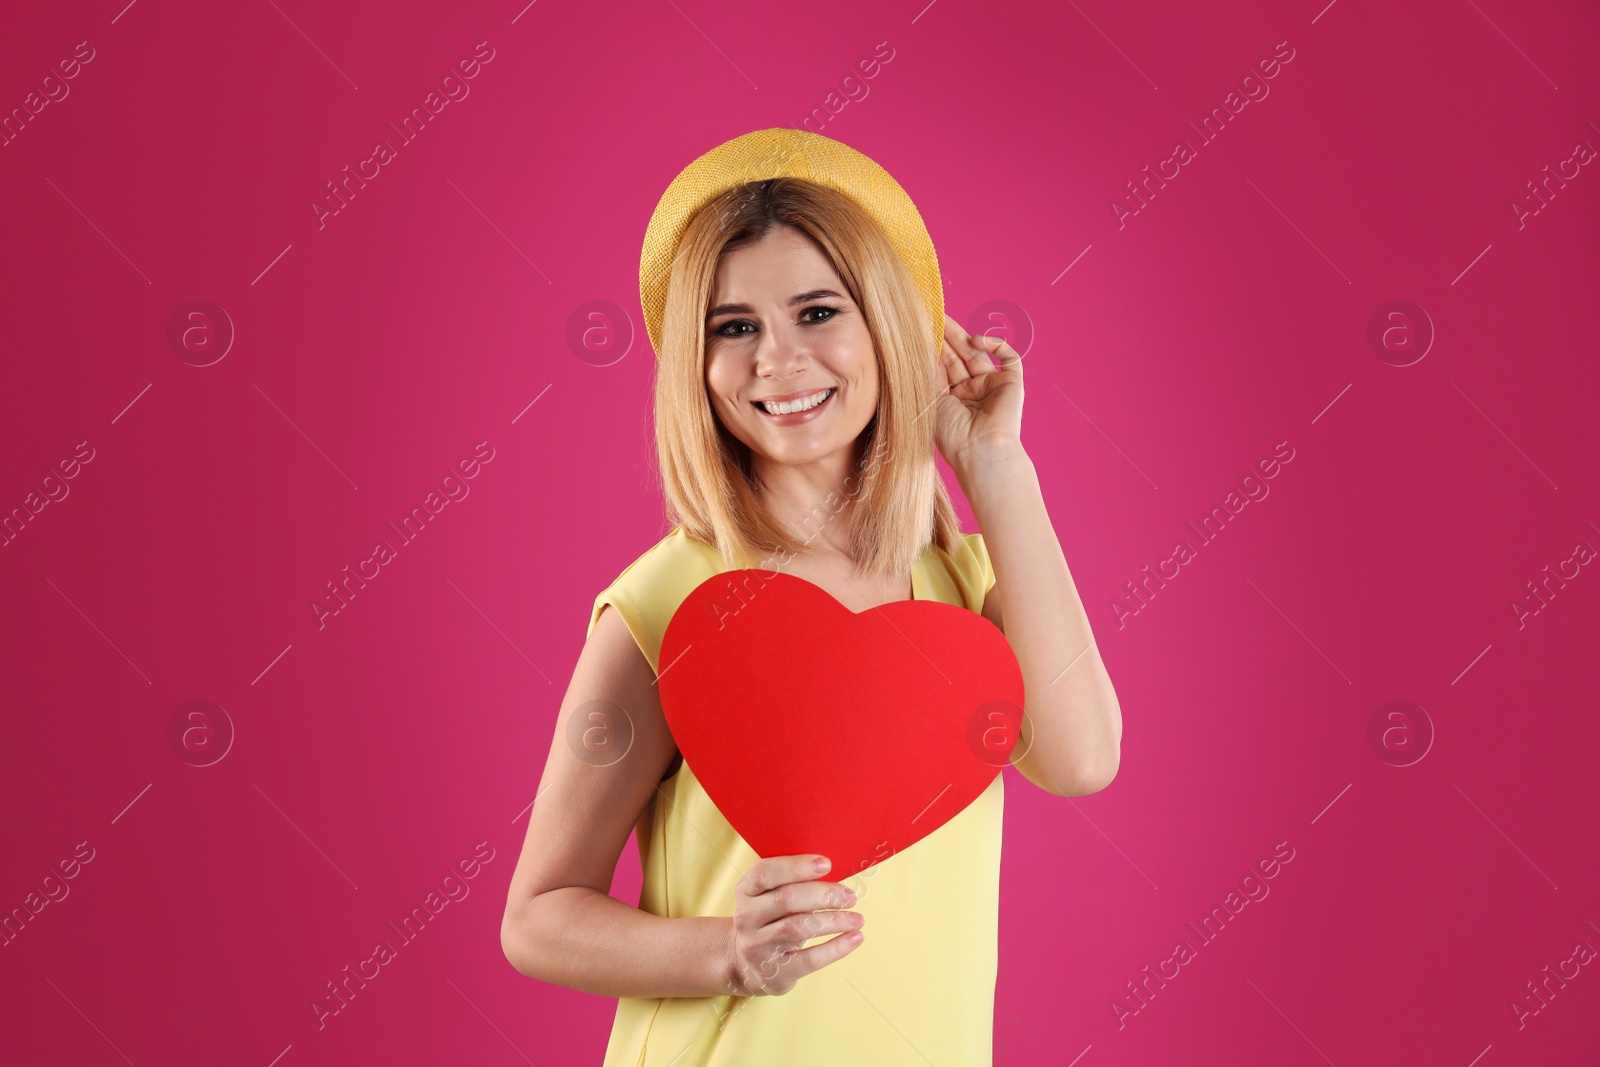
787,153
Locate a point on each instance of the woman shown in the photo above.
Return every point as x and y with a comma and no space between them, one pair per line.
797,406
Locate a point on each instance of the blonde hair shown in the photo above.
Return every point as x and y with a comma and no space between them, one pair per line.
705,472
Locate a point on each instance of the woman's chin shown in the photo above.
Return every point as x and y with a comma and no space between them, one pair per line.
800,453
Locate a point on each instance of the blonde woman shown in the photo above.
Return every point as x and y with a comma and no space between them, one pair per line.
807,374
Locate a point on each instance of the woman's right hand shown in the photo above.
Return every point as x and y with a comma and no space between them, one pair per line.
778,906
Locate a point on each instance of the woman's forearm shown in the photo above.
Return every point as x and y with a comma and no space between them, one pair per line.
1076,719
583,939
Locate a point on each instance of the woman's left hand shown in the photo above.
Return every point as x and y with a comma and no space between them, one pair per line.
981,407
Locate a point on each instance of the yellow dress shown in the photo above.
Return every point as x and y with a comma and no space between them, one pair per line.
918,991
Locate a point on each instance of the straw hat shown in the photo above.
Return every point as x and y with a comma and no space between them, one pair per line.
787,153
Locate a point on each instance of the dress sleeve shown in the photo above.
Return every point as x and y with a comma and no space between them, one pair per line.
974,572
619,595
650,589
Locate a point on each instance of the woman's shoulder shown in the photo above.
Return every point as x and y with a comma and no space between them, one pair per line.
649,589
673,556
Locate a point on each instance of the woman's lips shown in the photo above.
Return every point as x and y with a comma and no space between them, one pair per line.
795,417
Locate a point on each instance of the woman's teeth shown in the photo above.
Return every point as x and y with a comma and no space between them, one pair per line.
805,403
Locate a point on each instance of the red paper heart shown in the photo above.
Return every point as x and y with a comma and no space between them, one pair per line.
817,729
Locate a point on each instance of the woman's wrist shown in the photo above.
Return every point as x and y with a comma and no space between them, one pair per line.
730,975
995,468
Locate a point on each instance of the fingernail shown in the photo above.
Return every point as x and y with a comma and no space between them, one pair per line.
821,864
849,897
855,938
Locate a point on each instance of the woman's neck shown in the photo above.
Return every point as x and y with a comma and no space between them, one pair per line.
812,501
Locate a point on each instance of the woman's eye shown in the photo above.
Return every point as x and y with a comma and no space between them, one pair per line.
734,327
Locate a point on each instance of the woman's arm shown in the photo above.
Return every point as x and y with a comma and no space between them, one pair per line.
561,924
1072,725
1072,739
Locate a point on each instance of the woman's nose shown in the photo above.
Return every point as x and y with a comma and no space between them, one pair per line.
781,354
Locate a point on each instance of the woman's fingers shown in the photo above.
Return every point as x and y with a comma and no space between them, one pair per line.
1001,352
955,368
774,871
950,352
784,938
779,905
969,356
795,930
808,960
986,353
783,962
797,898
784,885
953,333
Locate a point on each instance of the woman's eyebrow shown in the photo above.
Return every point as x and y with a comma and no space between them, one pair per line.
745,309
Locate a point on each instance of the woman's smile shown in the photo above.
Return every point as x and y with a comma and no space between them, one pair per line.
794,408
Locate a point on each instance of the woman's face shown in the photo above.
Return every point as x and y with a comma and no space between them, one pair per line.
782,326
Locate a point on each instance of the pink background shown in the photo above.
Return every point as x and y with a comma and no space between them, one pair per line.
1229,314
